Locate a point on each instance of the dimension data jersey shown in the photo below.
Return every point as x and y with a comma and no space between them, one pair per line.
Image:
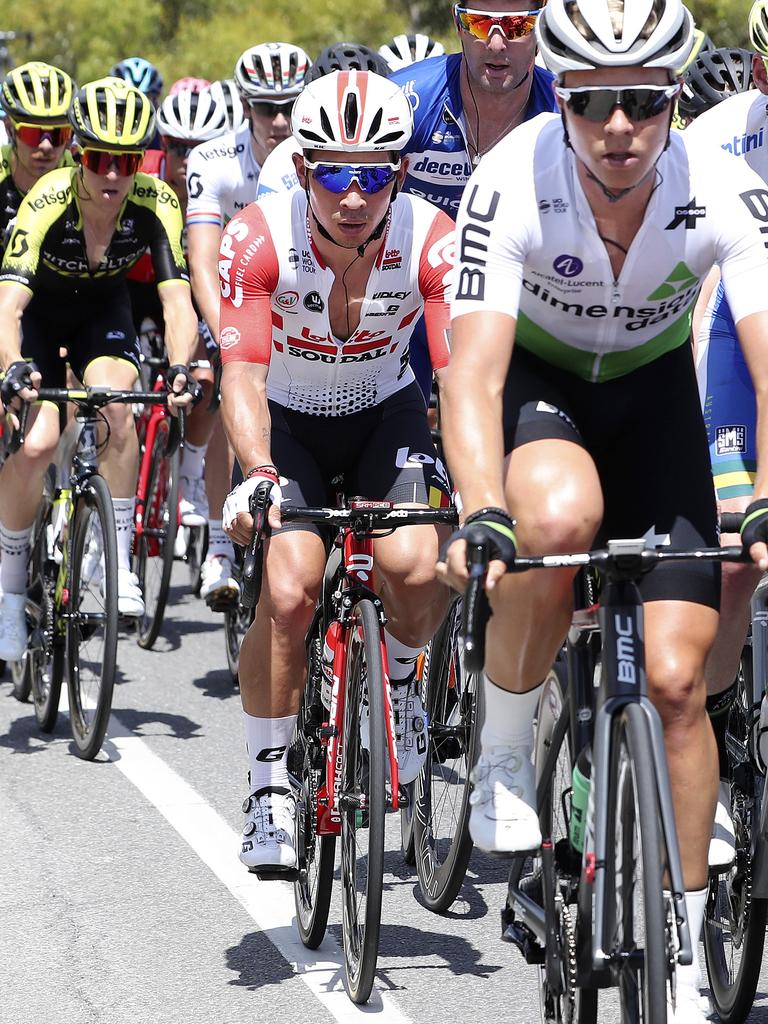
275,291
222,178
528,246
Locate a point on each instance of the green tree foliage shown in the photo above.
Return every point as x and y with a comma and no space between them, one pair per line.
725,21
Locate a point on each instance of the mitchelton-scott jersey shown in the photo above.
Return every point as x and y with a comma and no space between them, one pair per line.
222,178
528,246
276,288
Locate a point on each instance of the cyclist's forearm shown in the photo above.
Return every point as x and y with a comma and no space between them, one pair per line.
752,332
245,413
203,267
12,304
180,324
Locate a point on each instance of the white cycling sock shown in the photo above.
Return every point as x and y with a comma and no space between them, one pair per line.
219,544
401,659
695,904
267,741
14,552
509,716
193,460
124,526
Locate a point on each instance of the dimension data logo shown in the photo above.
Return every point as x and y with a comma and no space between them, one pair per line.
679,280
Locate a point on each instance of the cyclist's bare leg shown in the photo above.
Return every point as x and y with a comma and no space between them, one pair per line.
21,478
218,469
200,421
273,656
119,461
679,636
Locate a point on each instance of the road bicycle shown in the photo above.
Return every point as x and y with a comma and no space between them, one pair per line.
71,605
602,902
737,903
344,757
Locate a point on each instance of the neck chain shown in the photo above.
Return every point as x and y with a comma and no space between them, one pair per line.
475,144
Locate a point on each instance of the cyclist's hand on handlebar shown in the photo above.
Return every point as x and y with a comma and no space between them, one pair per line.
495,529
237,518
183,389
19,384
754,532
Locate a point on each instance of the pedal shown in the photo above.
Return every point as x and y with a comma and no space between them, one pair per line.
522,937
224,601
403,797
275,874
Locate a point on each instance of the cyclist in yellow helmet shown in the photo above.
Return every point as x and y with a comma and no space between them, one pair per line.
36,98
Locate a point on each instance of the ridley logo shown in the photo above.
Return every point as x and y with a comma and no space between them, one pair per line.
287,300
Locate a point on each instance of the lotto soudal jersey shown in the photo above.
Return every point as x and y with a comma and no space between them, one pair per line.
275,295
222,178
528,246
739,126
439,162
47,250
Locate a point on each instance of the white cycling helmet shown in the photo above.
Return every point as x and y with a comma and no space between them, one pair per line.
225,91
407,49
580,35
758,26
192,116
352,111
272,72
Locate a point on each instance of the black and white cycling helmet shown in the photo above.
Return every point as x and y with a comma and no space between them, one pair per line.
271,72
758,26
192,116
352,111
347,57
225,91
712,77
407,49
579,35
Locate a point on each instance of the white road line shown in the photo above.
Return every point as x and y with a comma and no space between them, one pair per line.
270,904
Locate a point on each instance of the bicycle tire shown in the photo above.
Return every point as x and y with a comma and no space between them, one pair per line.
442,842
20,678
316,854
45,649
554,762
407,842
364,773
634,823
237,621
93,613
153,561
731,909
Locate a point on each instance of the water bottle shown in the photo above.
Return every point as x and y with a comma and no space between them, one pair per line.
762,731
329,652
580,783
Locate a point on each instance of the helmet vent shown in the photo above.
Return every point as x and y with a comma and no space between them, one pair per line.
351,116
375,125
326,125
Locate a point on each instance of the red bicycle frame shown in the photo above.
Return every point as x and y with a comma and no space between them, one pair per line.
147,426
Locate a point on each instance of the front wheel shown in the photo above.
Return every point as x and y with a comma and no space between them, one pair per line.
363,801
92,620
44,659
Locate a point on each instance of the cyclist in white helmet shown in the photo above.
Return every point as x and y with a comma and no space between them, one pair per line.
584,238
222,178
371,260
225,89
404,50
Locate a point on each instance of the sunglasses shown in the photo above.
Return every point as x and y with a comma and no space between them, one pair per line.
264,108
101,161
480,24
33,134
595,102
337,178
179,147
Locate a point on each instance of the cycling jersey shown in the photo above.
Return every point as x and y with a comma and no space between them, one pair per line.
278,173
47,250
10,196
532,250
739,125
222,177
439,162
275,294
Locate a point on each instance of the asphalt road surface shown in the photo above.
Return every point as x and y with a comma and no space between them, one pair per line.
122,900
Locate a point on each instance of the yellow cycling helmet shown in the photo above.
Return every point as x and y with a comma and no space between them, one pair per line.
37,93
111,114
758,26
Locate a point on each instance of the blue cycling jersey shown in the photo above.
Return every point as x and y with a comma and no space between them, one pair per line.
439,161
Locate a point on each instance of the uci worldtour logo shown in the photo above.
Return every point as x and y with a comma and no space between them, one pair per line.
568,266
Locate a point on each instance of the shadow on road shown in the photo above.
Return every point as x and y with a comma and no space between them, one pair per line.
257,963
24,735
179,727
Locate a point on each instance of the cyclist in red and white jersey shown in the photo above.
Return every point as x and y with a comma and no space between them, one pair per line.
321,288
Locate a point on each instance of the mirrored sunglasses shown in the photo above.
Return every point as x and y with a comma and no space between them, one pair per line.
265,108
480,24
33,134
639,102
101,161
337,178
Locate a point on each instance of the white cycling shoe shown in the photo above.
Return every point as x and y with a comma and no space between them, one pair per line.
13,627
503,816
268,841
193,502
220,590
722,845
130,603
691,1007
411,735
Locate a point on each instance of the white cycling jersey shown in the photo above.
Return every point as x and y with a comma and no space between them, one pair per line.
528,246
276,288
278,173
738,125
222,178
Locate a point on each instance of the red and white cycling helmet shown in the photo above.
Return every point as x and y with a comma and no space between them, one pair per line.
188,85
192,116
579,35
271,72
352,111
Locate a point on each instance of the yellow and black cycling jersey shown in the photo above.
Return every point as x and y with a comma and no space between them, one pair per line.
47,250
10,195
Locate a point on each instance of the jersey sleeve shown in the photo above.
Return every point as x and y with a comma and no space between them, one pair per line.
435,278
203,191
248,277
39,211
278,173
166,230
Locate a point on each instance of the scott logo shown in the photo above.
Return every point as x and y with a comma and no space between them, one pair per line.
568,266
